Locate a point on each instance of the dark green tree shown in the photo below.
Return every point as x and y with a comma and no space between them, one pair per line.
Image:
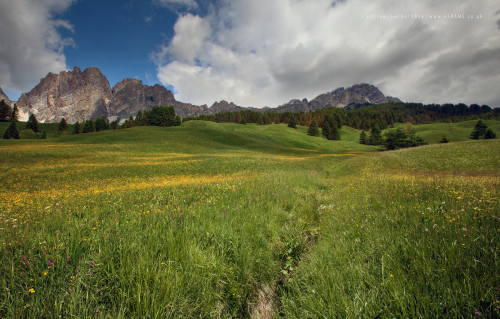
14,116
177,121
329,130
243,121
479,130
114,125
490,134
313,128
237,118
62,125
32,124
76,128
444,139
292,123
362,138
5,111
101,125
88,126
396,139
161,116
375,136
139,119
11,131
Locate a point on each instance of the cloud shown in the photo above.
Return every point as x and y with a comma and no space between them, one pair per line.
188,4
30,43
262,52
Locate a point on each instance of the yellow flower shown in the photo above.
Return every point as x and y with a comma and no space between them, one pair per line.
45,273
32,290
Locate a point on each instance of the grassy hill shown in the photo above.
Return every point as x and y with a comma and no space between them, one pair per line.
226,220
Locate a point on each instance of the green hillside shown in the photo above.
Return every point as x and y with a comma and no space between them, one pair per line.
228,220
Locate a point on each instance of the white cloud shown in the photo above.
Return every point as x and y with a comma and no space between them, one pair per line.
189,4
260,52
30,44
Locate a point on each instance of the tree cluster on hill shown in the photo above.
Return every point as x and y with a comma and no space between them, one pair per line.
481,131
364,118
392,139
156,116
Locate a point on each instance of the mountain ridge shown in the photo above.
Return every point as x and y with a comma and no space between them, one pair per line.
78,95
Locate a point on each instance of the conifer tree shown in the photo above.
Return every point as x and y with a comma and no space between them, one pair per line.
444,139
76,128
114,125
32,124
479,130
237,118
5,110
11,131
375,136
101,125
62,125
330,131
362,138
490,134
335,133
313,128
14,116
292,123
88,126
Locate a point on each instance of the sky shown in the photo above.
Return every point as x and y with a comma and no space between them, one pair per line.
260,52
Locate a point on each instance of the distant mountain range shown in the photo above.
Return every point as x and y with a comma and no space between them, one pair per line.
77,96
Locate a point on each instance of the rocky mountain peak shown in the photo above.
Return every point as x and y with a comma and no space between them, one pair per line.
131,96
4,97
74,95
341,97
224,106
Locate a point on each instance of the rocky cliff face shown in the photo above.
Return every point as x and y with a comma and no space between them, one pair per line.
223,106
131,96
341,97
4,97
74,95
77,96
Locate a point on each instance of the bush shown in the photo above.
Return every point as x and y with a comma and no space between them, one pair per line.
490,135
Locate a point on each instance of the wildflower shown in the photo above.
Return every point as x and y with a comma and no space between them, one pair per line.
45,273
32,290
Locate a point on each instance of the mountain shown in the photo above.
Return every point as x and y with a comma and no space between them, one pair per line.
77,96
74,95
341,97
224,106
130,96
4,97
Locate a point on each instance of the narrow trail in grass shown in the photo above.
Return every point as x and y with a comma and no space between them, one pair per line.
231,221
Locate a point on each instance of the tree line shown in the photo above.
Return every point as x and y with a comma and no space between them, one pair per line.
362,117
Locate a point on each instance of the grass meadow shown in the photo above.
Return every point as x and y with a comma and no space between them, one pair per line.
234,221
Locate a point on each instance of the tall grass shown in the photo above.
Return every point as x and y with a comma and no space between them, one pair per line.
415,233
222,220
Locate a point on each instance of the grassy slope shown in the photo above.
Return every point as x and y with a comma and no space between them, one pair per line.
217,220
